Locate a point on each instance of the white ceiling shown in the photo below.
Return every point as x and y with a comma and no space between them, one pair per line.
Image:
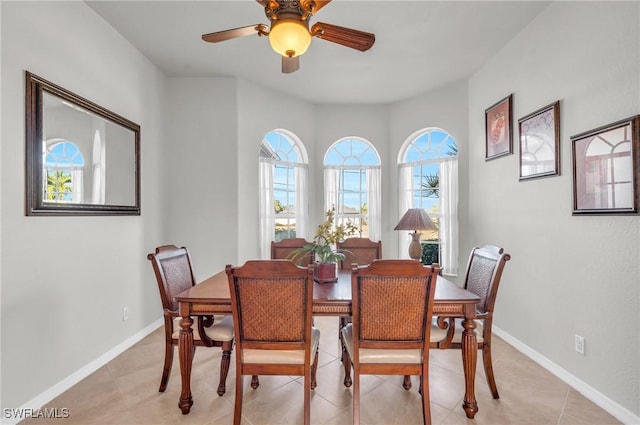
420,45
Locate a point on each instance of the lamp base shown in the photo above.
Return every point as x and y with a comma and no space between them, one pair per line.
415,247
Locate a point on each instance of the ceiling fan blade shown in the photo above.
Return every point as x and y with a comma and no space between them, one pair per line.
216,37
290,65
348,37
320,4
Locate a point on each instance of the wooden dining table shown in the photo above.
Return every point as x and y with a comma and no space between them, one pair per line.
212,297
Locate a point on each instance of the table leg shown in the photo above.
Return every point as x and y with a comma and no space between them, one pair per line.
469,360
185,351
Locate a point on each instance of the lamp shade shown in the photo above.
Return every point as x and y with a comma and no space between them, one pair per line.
415,219
289,37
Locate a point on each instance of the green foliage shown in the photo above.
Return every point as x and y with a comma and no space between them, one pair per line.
430,186
278,207
58,185
327,235
430,253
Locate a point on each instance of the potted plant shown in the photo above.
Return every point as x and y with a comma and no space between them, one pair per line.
323,247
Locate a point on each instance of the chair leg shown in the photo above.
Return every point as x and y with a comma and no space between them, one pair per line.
255,382
424,392
356,397
227,347
314,369
307,397
488,370
343,321
346,362
166,369
237,410
406,383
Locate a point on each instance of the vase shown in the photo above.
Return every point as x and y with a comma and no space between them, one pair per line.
325,272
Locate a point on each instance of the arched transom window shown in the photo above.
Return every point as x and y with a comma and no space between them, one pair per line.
283,188
352,185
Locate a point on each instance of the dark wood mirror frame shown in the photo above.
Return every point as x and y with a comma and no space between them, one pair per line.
124,174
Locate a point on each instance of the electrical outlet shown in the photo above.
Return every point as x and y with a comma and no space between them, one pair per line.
125,314
579,342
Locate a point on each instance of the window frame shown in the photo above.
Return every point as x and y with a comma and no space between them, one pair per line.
427,156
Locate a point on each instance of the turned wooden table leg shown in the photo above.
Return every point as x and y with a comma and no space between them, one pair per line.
185,351
469,360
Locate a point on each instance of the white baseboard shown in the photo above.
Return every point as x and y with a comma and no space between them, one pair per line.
80,374
614,409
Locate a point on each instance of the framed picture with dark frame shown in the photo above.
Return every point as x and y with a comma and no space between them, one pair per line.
498,132
605,169
540,143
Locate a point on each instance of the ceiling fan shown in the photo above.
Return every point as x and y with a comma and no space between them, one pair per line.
289,33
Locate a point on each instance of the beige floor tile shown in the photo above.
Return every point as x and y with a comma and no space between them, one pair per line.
578,407
125,392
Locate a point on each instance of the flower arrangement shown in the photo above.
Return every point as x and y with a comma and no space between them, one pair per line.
325,239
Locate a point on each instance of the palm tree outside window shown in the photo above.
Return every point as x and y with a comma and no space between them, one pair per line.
63,166
428,179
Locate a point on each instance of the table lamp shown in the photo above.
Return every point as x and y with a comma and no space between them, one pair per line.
415,219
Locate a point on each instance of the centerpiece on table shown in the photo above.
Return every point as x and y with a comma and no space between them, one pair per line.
323,246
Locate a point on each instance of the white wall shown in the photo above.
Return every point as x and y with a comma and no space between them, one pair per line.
198,176
569,274
65,280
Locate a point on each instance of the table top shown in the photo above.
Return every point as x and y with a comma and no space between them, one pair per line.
215,290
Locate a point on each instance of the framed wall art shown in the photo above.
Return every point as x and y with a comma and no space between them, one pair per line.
540,143
605,169
498,133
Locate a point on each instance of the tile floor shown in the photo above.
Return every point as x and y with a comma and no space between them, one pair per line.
125,391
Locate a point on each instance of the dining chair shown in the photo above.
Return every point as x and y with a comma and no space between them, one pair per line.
272,304
283,249
174,274
360,251
392,305
484,271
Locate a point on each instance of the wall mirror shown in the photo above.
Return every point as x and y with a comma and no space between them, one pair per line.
81,159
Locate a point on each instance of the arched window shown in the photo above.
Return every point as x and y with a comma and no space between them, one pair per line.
352,185
63,166
428,179
284,205
608,169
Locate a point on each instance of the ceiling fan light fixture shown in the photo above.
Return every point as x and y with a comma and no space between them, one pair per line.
289,37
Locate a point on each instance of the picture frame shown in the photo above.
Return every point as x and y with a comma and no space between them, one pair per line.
540,143
605,169
498,131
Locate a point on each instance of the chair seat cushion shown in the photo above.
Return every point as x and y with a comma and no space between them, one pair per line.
380,355
221,330
438,334
251,355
